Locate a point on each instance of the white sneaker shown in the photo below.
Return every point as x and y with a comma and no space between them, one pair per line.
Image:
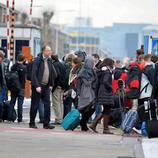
137,131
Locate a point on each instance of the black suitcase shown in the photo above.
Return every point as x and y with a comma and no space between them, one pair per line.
152,123
144,113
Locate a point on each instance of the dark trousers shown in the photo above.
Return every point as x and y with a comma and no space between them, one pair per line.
5,94
14,97
67,105
41,111
85,118
35,100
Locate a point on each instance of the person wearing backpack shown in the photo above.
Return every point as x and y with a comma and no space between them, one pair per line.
58,89
28,76
20,68
133,81
86,86
42,81
147,87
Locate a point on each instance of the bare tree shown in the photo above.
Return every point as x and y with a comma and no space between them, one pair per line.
24,18
46,29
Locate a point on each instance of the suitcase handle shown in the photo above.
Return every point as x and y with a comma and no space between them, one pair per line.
156,106
149,110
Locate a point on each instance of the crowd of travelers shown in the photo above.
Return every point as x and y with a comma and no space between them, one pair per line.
101,89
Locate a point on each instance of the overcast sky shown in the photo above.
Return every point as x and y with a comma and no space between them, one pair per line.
103,12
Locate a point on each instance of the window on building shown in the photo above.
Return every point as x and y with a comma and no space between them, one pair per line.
80,40
74,40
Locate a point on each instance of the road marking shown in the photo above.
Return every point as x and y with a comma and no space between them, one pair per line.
20,128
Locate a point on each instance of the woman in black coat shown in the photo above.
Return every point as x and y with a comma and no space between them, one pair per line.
104,94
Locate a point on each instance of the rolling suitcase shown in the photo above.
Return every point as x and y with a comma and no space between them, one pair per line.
71,120
152,123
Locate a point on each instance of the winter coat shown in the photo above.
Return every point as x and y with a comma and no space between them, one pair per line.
86,85
6,63
104,89
147,81
38,71
5,70
67,73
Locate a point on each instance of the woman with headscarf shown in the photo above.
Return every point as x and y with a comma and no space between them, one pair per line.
86,84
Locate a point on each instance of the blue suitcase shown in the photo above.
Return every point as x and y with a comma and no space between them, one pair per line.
71,120
129,121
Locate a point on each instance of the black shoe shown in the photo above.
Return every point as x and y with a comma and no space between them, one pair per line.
40,122
56,123
33,126
84,128
48,126
20,121
1,120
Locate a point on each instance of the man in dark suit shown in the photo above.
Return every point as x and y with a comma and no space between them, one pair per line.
42,81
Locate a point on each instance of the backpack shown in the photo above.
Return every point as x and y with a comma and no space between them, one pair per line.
87,94
62,76
12,81
6,112
133,82
29,69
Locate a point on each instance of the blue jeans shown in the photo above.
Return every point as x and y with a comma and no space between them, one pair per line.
35,100
41,111
14,97
98,110
5,94
1,104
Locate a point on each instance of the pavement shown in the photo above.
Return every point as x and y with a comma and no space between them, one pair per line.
150,147
19,141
